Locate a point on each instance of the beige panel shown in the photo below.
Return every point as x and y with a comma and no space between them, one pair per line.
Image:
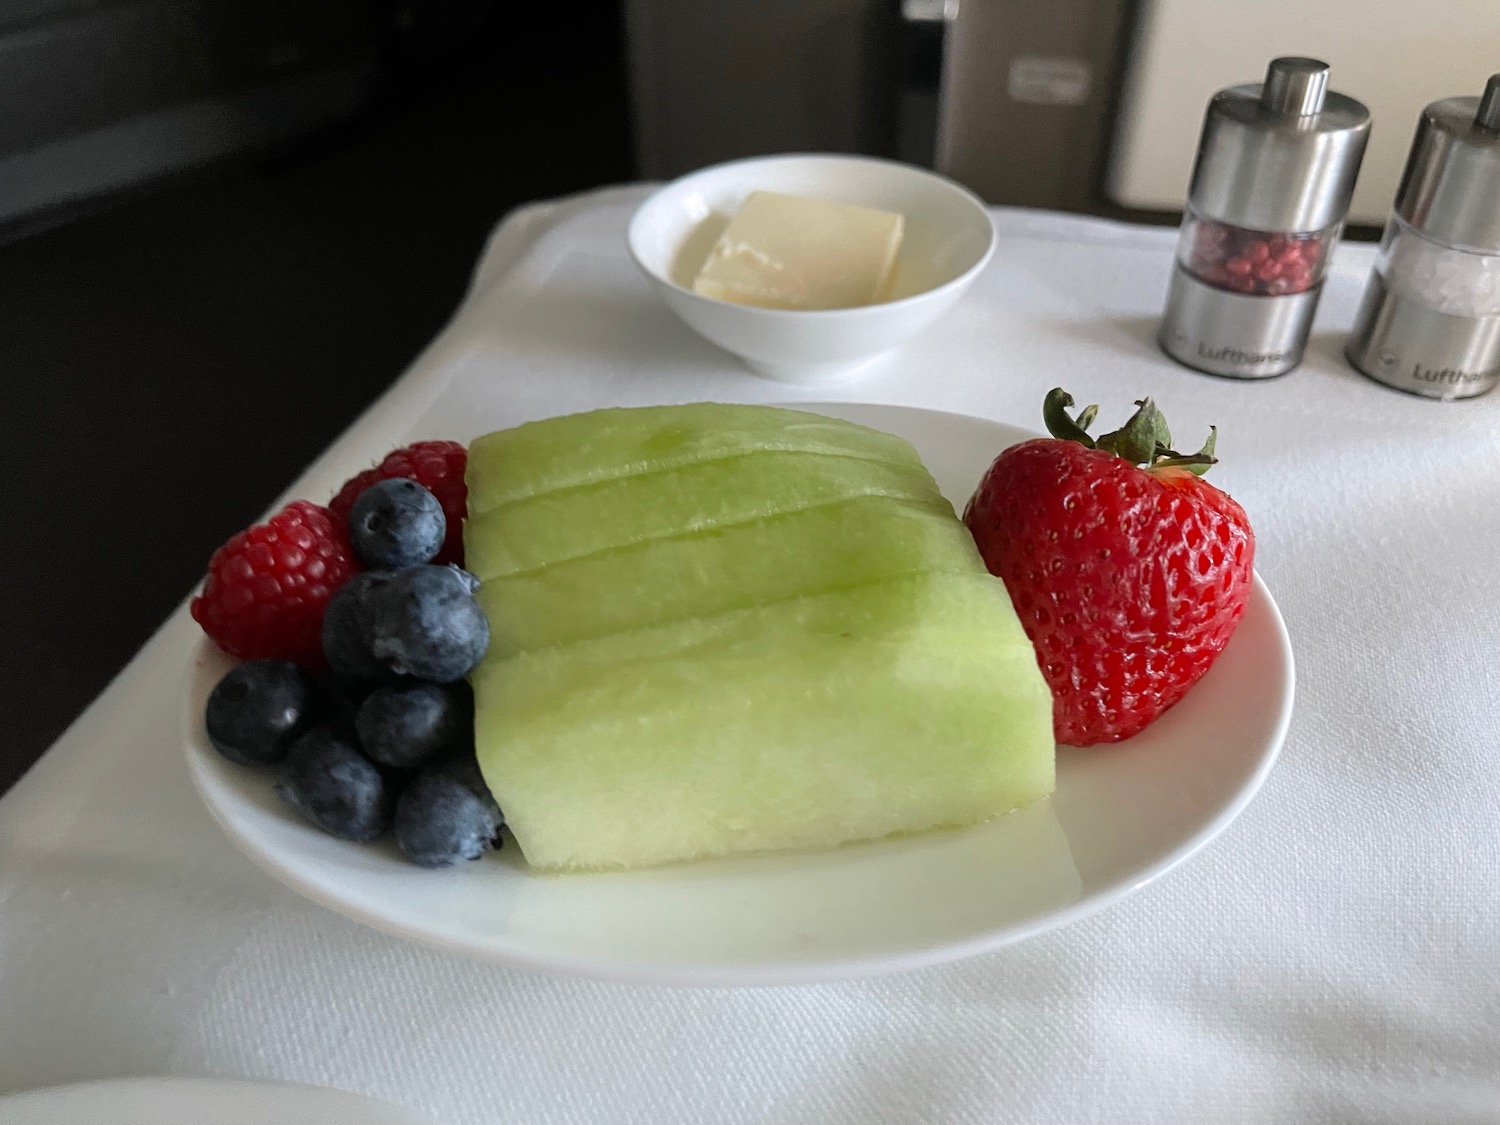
1393,55
998,135
714,80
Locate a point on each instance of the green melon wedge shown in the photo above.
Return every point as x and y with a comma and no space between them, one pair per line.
678,681
780,737
574,522
887,610
581,449
825,548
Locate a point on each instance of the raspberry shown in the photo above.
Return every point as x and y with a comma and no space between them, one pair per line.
436,465
269,584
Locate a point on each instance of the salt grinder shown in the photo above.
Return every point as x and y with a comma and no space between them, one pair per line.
1430,322
1270,189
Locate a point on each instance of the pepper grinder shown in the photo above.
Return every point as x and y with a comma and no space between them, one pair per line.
1270,189
1430,322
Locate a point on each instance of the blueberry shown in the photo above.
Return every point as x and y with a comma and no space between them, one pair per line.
411,723
258,710
396,523
336,787
447,815
348,628
425,622
339,702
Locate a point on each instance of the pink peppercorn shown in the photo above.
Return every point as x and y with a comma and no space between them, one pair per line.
1255,262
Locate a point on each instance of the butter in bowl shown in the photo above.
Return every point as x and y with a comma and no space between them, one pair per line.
810,268
791,252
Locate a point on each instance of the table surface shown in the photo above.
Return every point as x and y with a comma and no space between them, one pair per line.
1333,957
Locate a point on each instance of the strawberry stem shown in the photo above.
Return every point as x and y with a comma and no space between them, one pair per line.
1141,436
1143,440
1060,425
1193,462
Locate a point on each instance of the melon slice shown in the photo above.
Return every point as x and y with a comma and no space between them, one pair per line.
887,611
783,738
574,522
695,683
581,449
824,548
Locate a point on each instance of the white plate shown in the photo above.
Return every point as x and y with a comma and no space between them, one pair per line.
195,1101
1121,815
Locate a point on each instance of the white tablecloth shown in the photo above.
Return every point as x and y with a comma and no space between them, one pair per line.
1333,957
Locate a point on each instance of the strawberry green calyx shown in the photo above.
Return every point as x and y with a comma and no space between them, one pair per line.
1144,440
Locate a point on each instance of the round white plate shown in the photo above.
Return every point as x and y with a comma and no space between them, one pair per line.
195,1101
1121,815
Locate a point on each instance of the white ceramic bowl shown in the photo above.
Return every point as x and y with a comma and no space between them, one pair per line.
949,238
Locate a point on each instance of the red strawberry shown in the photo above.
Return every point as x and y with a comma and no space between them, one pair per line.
1129,581
436,465
269,584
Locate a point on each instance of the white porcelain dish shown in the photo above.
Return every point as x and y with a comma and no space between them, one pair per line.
949,238
195,1101
1121,815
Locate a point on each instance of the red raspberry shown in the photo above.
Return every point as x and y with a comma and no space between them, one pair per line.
269,584
436,465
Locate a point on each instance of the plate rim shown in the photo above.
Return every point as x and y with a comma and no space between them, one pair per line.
206,772
136,1087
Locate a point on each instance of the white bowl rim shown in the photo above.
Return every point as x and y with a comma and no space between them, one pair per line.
958,282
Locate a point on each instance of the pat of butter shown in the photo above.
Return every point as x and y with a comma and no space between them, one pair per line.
787,252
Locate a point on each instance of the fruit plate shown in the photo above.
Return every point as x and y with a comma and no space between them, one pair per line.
1121,815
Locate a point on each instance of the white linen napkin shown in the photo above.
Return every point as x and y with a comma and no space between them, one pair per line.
1333,957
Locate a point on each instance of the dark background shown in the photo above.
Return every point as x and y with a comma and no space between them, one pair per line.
227,226
171,356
